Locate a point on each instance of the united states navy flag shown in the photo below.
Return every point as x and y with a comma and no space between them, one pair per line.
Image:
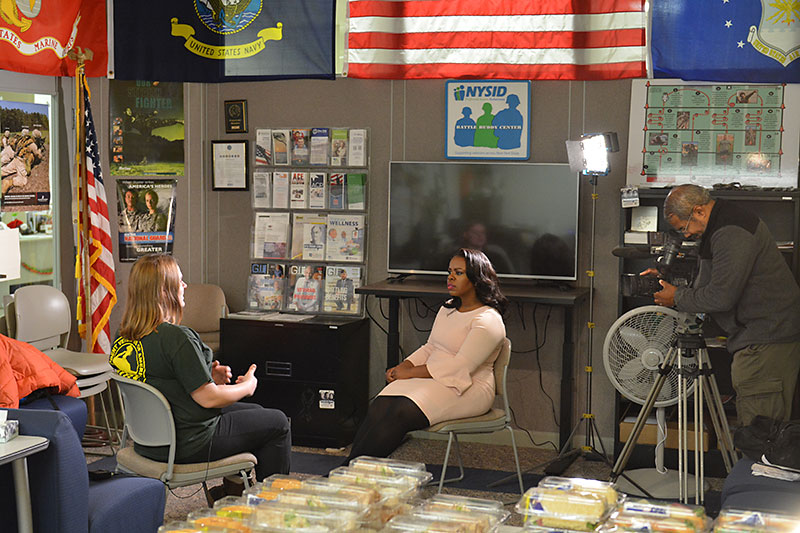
223,40
726,40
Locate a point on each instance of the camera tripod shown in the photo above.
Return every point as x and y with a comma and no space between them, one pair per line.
690,355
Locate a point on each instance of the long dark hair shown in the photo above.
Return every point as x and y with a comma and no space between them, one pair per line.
482,275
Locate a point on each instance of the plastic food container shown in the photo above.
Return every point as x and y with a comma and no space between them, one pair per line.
603,489
740,521
361,493
410,523
322,501
186,527
386,466
208,518
679,515
477,521
463,503
557,508
235,507
268,489
404,480
279,516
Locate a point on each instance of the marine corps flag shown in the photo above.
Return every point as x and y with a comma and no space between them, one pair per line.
223,40
35,36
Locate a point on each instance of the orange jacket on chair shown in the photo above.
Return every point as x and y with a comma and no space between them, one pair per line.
24,369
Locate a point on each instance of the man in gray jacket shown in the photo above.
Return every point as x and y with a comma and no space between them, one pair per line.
746,286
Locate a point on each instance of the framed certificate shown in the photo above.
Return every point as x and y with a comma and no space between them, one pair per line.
229,165
235,116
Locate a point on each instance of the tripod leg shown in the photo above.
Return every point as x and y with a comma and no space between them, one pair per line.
641,420
699,441
718,418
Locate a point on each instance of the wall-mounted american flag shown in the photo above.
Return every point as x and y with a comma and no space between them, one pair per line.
497,39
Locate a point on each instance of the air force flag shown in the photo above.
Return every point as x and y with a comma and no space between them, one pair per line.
223,40
726,40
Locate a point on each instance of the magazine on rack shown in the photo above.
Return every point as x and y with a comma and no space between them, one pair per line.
306,288
345,238
280,190
266,287
280,147
299,223
300,151
263,147
298,190
338,147
271,235
340,285
336,191
355,191
262,190
316,190
320,141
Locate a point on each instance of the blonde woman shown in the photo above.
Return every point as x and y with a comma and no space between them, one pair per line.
210,421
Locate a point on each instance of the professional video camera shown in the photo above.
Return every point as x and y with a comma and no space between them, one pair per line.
670,262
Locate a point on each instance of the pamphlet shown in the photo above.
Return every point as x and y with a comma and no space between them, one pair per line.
280,190
262,191
355,191
316,190
338,147
300,152
345,238
320,141
644,218
340,285
263,147
271,235
299,221
336,191
280,147
298,190
306,287
357,153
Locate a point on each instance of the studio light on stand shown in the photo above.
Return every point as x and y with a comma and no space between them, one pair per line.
589,156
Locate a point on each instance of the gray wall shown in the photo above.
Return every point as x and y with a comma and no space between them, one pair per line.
406,120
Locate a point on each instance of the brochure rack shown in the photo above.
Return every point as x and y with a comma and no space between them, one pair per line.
308,246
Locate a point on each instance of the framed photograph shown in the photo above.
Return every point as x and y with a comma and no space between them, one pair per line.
229,165
235,116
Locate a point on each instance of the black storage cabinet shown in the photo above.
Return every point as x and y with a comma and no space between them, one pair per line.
316,371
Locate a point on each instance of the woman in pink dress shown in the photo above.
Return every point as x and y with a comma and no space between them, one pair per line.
450,376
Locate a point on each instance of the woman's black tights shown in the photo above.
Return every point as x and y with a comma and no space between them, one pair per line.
388,420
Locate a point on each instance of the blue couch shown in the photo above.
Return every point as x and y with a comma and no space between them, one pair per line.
743,490
63,498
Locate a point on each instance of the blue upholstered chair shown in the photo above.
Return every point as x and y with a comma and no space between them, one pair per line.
63,499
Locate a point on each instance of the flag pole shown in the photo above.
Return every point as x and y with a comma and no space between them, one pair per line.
85,235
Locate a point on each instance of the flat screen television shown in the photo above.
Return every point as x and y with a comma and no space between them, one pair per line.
524,217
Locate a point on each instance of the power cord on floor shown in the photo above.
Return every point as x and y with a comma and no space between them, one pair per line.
530,436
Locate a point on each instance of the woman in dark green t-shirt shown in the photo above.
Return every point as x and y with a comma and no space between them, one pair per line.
210,421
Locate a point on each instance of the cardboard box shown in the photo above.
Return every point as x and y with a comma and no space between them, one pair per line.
649,434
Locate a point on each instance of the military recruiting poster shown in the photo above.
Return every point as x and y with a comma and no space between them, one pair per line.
488,119
25,156
717,133
146,217
147,128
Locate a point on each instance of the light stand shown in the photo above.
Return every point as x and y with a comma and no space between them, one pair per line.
588,156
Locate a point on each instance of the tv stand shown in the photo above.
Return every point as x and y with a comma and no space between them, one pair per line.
568,298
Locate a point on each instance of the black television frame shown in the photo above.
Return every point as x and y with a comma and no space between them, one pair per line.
562,167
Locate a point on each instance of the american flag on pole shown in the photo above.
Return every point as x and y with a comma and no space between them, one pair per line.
101,258
497,39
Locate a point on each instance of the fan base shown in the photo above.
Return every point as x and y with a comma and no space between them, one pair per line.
661,486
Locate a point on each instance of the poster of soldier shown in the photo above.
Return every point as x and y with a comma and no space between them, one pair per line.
145,217
147,128
25,156
707,134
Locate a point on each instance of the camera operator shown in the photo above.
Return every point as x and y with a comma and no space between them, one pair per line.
746,286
